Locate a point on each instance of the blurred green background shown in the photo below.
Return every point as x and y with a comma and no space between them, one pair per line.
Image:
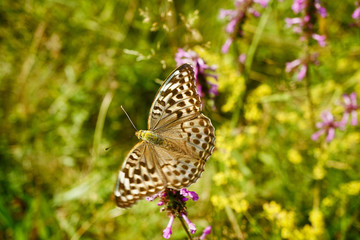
67,66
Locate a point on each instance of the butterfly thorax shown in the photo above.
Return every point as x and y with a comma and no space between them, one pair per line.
150,137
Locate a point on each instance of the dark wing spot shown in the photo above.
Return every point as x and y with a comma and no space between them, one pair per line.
179,96
181,104
171,101
199,135
195,130
196,141
179,114
202,122
204,145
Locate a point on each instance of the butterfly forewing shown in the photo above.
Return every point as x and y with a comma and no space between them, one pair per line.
188,140
176,99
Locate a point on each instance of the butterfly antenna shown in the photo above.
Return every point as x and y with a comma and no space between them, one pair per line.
129,118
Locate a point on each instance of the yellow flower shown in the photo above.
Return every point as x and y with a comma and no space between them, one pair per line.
239,206
220,179
294,156
317,221
219,201
351,188
319,172
271,209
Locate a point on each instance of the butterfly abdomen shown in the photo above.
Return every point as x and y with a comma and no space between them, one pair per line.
150,137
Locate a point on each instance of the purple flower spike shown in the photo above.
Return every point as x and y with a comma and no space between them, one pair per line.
351,106
167,231
206,231
327,126
356,13
191,226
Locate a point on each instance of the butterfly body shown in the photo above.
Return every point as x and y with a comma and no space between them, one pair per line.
174,149
150,137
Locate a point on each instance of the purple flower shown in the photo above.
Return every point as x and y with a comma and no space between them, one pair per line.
201,70
242,58
327,126
356,13
193,195
206,231
293,21
298,65
153,197
191,226
298,6
167,231
320,39
226,46
302,72
321,10
351,106
236,19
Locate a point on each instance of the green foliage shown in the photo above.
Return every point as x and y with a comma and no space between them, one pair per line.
67,66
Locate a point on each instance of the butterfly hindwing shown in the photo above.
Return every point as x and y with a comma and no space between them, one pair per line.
139,177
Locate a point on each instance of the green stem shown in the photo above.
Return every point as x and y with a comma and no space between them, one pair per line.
185,228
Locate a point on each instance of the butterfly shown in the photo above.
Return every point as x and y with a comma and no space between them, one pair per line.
173,151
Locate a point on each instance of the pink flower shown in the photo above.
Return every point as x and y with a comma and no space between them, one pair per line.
298,6
302,72
167,231
191,226
153,197
242,58
226,46
356,13
321,10
193,195
320,39
351,106
206,231
298,65
327,126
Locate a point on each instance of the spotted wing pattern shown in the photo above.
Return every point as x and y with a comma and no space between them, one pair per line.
139,176
188,141
189,146
177,99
